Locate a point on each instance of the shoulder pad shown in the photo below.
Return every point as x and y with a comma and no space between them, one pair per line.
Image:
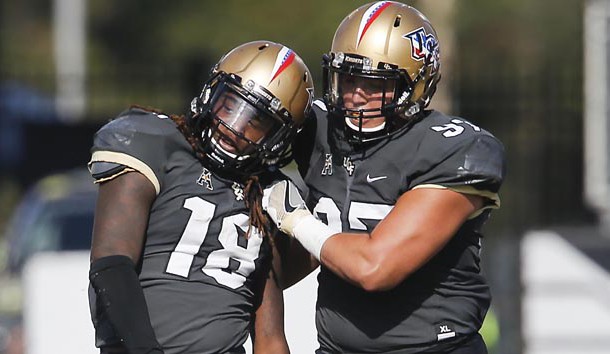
140,121
456,152
101,170
140,140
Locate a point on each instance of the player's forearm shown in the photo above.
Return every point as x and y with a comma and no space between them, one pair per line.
293,262
268,331
298,269
120,301
374,263
351,256
354,258
273,345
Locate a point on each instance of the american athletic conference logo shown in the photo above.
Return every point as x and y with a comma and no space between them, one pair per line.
423,44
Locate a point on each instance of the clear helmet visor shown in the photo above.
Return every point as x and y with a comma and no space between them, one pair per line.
240,127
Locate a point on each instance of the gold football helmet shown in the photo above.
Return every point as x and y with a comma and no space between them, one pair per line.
393,47
248,111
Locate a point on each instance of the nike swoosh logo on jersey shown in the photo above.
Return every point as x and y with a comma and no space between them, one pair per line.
373,179
287,205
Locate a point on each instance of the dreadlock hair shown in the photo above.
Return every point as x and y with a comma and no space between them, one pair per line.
252,190
254,202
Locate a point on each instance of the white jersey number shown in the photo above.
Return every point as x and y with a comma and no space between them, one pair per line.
230,265
455,128
357,211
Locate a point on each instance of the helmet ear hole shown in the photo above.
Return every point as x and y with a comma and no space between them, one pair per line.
397,21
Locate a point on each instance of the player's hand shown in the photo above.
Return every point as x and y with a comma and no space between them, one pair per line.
284,204
287,209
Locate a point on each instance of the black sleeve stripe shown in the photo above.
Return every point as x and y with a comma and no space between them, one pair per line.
131,163
103,170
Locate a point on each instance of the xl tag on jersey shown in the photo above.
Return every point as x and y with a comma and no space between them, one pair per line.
444,331
205,179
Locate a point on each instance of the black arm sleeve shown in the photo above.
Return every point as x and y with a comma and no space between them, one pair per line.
120,299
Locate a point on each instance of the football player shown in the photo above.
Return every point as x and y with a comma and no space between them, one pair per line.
399,194
181,258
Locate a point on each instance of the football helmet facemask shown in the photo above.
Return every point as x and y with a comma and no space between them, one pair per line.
248,111
392,49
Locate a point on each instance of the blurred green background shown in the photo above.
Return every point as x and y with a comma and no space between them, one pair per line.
514,67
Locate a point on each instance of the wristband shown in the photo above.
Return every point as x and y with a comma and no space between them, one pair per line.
312,234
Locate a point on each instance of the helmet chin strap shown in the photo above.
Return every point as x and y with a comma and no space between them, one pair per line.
348,122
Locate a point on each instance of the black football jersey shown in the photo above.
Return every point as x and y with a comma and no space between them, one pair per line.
352,190
199,271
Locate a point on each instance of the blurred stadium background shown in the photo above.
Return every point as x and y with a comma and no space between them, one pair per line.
535,73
